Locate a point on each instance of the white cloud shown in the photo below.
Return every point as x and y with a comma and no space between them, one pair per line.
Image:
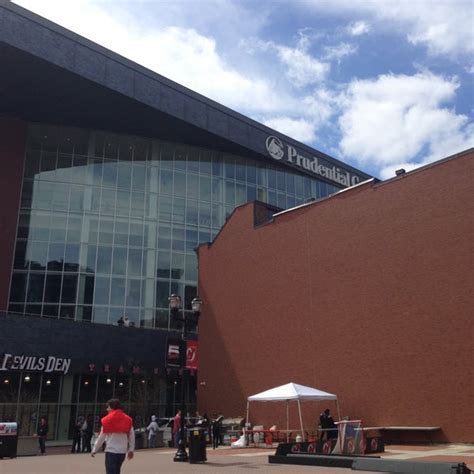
299,129
443,26
339,51
358,28
391,121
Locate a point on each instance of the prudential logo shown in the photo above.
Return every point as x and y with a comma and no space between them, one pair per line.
275,147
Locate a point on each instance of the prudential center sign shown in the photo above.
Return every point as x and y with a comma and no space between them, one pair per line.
279,151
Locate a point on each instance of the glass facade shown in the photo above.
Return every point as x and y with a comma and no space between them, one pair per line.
109,223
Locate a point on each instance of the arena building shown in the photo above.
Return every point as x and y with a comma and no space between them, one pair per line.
111,175
367,294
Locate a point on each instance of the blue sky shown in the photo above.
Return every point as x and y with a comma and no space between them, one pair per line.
379,84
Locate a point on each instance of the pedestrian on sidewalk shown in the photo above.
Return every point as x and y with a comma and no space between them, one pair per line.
118,435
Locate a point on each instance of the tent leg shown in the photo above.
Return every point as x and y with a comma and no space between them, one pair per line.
287,422
301,420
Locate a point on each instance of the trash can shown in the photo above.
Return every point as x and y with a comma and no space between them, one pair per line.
8,440
139,439
197,444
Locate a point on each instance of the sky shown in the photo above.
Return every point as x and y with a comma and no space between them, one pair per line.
378,84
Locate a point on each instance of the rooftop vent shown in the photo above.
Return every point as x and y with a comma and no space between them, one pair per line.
400,171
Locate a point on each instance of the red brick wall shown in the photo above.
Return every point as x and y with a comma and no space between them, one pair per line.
12,155
368,294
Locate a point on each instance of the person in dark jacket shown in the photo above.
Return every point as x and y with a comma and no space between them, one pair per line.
76,438
42,433
328,427
87,432
216,431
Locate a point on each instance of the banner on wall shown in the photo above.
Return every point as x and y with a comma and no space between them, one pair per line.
192,361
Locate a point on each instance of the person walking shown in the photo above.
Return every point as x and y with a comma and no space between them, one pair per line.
76,438
118,435
42,433
87,432
216,431
177,428
152,429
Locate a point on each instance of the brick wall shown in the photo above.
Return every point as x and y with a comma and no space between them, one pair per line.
368,294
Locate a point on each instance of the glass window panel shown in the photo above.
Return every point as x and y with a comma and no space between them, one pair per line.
48,162
229,193
240,194
180,157
204,235
71,258
58,228
56,257
69,289
138,177
95,200
261,176
32,164
281,184
91,258
101,316
191,267
217,217
126,146
134,262
96,169
133,293
177,266
281,200
37,255
179,184
50,310
29,392
179,210
193,160
33,309
106,234
20,255
60,197
67,312
229,165
190,292
136,234
40,225
164,237
138,205
52,288
124,177
290,183
272,198
166,181
80,171
27,194
240,169
161,319
141,149
123,203
164,208
104,259
307,187
107,203
205,188
193,186
74,227
299,185
84,313
217,189
23,225
162,293
163,265
18,288
86,289
101,293
290,202
119,266
205,214
109,174
121,232
192,212
251,193
251,173
166,154
205,166
117,296
272,178
217,166
76,198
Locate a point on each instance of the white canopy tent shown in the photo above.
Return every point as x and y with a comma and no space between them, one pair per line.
289,392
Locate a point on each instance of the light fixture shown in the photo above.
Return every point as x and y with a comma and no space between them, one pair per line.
48,382
120,384
27,378
175,302
108,381
196,304
86,382
6,381
143,381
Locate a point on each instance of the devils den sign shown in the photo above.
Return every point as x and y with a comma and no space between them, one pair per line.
279,151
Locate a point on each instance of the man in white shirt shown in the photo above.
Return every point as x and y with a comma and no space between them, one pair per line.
118,435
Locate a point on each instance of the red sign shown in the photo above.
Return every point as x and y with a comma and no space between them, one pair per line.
192,361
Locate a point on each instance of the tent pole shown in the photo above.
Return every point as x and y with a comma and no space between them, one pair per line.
247,416
338,411
301,420
287,423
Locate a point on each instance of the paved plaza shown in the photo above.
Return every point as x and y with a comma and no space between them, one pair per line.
223,459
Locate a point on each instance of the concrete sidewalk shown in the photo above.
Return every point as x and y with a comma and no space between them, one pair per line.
223,459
